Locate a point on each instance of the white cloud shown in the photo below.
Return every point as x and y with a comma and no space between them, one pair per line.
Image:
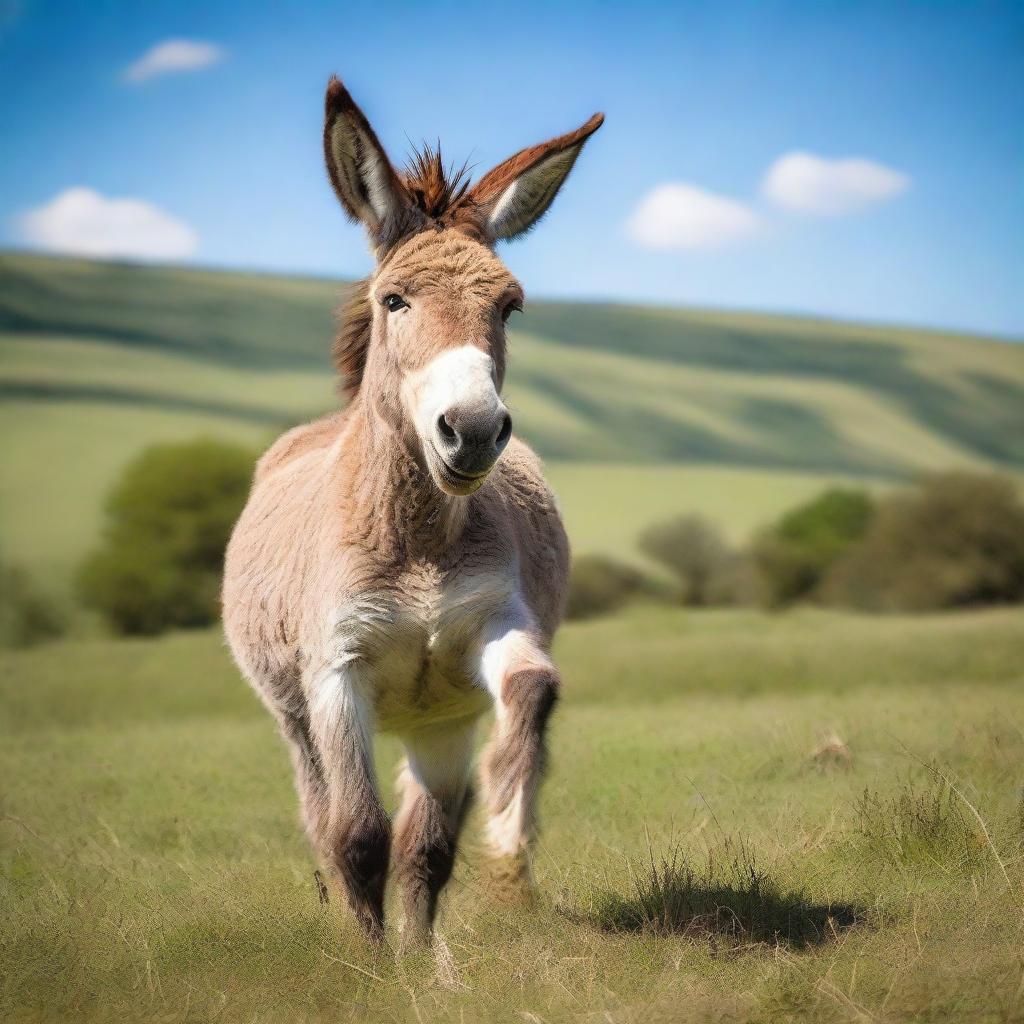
680,216
84,222
172,56
811,184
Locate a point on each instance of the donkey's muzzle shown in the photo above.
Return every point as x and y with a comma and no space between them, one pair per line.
470,441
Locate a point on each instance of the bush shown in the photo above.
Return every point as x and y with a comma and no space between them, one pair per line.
955,541
27,617
708,570
794,556
168,521
598,585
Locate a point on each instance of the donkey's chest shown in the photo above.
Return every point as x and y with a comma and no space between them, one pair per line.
415,648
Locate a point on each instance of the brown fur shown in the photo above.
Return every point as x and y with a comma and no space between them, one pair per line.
436,192
442,197
359,594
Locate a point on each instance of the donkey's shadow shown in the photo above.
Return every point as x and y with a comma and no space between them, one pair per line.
745,907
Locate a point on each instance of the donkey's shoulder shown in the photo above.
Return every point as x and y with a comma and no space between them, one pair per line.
298,441
536,523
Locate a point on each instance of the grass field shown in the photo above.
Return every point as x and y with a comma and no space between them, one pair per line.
805,817
152,868
640,413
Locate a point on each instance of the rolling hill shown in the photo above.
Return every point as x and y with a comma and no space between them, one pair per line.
640,411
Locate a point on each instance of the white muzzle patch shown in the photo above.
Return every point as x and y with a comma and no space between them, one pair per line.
458,414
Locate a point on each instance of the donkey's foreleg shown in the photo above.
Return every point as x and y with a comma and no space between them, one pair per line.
524,684
434,786
355,833
309,777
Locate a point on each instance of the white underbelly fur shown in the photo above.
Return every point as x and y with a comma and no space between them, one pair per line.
418,668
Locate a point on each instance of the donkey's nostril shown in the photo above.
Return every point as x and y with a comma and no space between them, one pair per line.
446,430
506,430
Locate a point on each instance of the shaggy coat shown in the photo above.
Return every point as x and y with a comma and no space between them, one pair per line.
401,565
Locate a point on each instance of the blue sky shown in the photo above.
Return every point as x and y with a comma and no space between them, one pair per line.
669,202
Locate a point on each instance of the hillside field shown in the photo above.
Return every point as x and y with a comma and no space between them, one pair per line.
640,413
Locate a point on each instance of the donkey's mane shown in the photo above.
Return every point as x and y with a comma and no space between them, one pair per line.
435,190
355,318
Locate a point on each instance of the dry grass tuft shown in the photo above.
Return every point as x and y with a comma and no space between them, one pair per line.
923,822
726,896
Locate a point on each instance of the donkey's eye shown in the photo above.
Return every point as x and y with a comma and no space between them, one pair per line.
515,306
393,303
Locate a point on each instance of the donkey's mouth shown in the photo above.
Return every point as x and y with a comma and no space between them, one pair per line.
455,482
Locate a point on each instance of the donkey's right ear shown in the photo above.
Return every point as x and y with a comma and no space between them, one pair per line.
359,169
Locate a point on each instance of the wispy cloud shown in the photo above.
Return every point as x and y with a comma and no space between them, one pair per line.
81,221
173,56
676,215
811,184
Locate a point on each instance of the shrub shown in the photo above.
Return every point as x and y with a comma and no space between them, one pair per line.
956,540
598,585
168,520
794,555
708,570
27,616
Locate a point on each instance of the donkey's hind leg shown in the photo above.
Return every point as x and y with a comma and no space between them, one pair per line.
524,684
434,786
354,834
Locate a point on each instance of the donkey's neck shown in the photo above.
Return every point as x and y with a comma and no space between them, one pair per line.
390,492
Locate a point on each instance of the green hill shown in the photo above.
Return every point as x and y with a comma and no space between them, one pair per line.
640,411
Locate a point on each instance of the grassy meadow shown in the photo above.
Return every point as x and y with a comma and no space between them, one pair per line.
808,816
152,867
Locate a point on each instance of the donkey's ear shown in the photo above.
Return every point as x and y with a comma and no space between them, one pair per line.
359,169
517,193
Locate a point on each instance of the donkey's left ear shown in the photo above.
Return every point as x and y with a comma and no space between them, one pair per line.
517,193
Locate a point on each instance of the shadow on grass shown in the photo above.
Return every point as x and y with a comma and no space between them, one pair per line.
726,898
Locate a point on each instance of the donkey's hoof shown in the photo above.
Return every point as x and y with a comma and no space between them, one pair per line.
415,937
372,929
510,880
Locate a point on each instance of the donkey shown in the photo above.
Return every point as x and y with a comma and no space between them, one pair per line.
401,565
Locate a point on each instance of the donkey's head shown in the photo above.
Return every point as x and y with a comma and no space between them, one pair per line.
423,339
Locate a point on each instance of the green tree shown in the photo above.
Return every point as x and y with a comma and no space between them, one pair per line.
794,555
27,616
956,540
692,549
168,520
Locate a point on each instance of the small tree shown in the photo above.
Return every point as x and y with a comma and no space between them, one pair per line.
956,540
794,554
598,585
27,616
694,551
168,520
